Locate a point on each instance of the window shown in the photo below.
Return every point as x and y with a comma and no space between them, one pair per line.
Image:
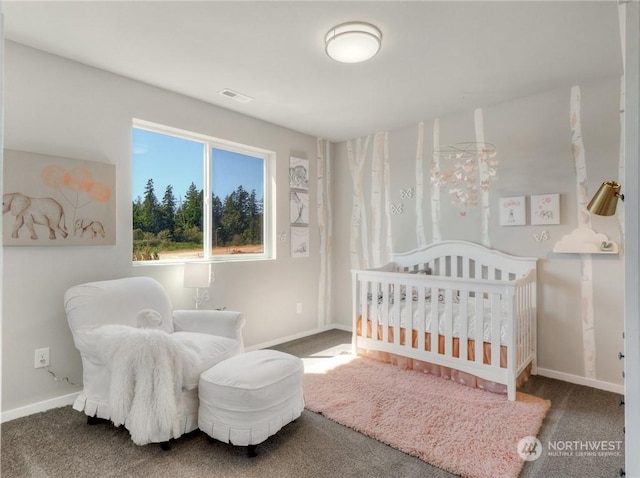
195,197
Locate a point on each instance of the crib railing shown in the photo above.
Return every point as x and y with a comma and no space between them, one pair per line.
395,306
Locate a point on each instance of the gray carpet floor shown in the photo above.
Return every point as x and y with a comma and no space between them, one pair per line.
59,443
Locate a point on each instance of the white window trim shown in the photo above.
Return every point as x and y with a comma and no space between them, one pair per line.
269,194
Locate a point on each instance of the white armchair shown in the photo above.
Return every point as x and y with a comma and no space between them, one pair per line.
121,324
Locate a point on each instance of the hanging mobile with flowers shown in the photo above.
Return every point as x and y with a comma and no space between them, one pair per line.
471,168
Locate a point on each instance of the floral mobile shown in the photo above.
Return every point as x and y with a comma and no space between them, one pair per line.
473,167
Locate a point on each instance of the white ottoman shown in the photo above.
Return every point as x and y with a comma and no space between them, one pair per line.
247,398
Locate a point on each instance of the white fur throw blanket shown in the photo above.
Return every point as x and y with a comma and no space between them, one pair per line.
147,369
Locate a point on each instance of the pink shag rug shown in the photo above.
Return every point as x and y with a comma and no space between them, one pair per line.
465,431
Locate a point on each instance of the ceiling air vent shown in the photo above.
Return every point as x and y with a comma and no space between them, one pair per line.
235,95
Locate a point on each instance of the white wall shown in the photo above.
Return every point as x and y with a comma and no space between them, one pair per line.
1,159
58,107
632,260
533,141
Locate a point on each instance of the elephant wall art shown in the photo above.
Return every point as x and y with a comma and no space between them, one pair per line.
57,201
29,211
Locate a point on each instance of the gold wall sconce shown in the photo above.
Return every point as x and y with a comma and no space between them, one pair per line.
605,200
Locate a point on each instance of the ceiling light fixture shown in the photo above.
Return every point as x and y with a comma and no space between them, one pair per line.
353,42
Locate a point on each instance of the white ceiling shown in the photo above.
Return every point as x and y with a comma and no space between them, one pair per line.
437,58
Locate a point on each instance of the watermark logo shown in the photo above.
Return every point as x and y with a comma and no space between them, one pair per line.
529,448
585,448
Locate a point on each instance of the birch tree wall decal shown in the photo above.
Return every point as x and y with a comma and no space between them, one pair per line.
584,220
324,229
387,199
359,229
435,186
377,172
485,175
420,236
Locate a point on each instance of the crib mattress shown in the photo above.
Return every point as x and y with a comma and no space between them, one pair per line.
410,317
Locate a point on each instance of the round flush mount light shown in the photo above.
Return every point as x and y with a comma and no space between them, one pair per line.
353,42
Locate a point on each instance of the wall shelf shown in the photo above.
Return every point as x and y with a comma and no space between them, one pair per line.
585,240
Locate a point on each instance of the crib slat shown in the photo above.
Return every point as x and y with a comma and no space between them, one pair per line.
408,328
366,308
478,334
530,318
522,331
397,307
434,320
356,305
525,324
528,324
495,329
513,329
464,324
521,334
421,317
448,322
384,316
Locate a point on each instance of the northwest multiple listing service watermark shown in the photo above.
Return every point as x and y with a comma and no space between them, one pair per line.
530,448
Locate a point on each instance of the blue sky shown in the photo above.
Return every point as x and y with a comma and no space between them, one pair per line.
176,161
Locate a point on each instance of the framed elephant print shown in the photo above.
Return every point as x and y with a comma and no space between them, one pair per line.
545,209
54,201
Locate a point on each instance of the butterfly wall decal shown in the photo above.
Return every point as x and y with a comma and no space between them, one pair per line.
397,209
543,236
406,193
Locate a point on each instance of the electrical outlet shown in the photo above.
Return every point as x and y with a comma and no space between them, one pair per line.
299,308
41,358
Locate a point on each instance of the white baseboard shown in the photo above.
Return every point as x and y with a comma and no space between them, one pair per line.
578,380
38,407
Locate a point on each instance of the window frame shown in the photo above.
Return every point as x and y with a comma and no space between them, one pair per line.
268,200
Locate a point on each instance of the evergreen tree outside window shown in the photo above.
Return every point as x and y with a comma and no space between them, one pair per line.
199,198
238,215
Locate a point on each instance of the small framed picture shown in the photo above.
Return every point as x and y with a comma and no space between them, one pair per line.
512,211
545,209
298,173
299,241
299,207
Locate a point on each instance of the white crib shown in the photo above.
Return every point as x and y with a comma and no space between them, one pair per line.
432,305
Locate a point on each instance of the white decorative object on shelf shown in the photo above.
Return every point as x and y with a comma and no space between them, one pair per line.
585,240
